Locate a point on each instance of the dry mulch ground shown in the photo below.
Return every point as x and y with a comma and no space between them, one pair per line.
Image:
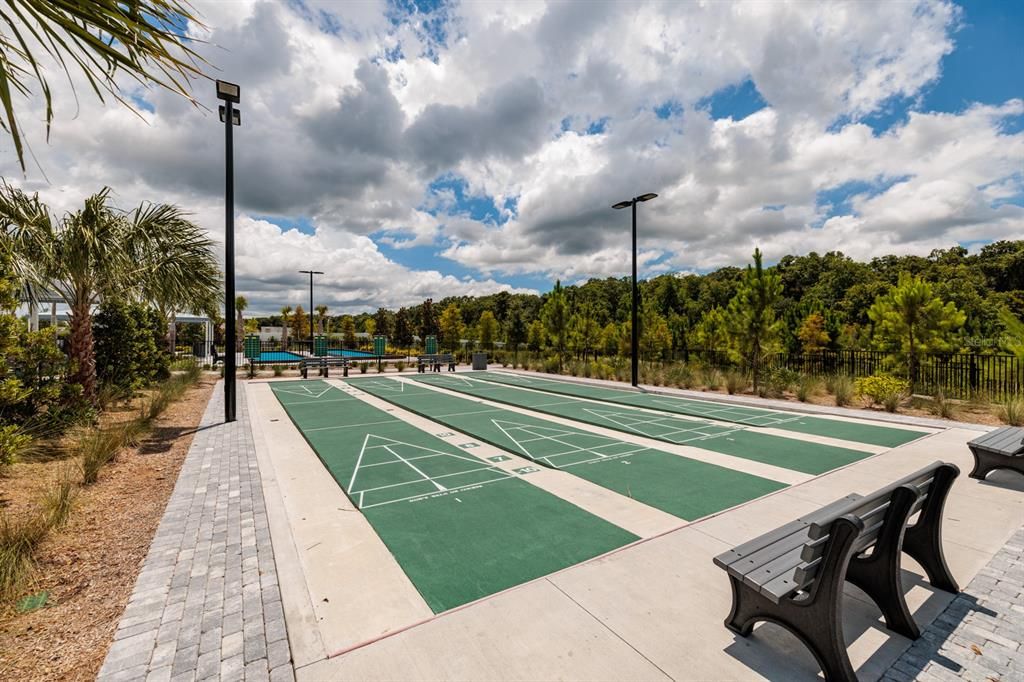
90,566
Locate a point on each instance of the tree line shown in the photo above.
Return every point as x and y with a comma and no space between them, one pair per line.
947,301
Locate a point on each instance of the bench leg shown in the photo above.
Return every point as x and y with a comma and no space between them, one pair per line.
816,619
879,574
986,462
923,540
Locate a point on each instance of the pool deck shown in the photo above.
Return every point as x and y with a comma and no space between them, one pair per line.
652,610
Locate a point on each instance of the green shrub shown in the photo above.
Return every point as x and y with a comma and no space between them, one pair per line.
277,369
588,370
129,344
807,387
363,367
1012,411
842,388
777,381
735,382
550,365
883,389
400,365
712,379
14,442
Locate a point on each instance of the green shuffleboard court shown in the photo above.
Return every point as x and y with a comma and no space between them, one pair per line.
686,488
870,434
459,527
736,440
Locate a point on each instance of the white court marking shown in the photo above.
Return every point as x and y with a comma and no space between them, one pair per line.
304,392
631,421
554,435
391,446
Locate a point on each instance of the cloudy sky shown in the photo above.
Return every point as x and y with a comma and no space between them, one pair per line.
414,148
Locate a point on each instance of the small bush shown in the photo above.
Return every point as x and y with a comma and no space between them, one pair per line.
735,382
14,442
713,379
550,365
942,406
883,389
1012,412
400,365
380,367
587,370
364,367
277,369
807,387
842,388
775,382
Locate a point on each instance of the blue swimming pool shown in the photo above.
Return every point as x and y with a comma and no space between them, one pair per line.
278,356
347,353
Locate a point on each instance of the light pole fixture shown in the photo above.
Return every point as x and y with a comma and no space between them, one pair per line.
635,339
230,117
311,273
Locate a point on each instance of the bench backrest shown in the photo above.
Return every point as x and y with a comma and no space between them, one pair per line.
870,510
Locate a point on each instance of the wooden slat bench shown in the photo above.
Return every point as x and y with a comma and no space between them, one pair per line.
323,364
793,576
999,449
434,362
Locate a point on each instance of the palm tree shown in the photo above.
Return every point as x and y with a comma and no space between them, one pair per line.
321,318
285,314
147,40
184,276
99,251
240,305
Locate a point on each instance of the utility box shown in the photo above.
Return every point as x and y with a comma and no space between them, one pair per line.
431,342
479,360
380,345
252,346
320,345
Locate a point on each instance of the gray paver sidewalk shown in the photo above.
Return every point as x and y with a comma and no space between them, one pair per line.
979,636
207,602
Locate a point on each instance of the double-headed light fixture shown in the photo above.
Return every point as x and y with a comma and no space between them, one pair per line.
635,339
230,117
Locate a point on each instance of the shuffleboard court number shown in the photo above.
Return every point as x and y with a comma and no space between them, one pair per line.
467,446
526,470
446,434
498,458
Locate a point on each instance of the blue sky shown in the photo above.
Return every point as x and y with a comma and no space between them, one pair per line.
427,148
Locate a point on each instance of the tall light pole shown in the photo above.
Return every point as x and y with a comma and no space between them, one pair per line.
311,273
230,117
635,340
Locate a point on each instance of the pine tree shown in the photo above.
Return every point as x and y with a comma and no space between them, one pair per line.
751,314
556,321
910,319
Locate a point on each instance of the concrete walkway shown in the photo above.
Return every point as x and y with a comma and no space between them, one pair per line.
207,604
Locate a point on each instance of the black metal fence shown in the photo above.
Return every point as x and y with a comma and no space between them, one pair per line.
958,375
272,352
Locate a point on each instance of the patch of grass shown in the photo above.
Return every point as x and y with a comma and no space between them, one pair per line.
19,538
942,406
14,443
735,382
842,389
1012,412
278,370
713,379
807,387
60,498
98,447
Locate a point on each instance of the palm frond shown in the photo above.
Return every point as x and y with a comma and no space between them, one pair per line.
145,40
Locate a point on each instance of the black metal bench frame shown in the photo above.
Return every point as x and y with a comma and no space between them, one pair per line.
999,449
323,363
801,589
